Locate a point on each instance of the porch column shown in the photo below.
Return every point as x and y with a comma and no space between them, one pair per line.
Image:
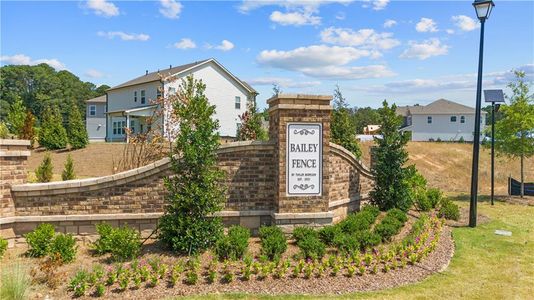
127,129
109,128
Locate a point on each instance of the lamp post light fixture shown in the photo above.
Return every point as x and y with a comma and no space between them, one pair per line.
483,9
493,96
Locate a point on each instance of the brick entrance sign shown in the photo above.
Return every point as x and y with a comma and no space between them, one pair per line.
297,177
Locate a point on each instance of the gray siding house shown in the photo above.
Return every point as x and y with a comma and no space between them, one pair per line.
442,119
95,121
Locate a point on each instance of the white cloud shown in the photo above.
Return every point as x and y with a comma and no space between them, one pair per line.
185,43
283,82
225,45
295,18
170,8
375,4
321,61
103,8
449,31
465,23
389,23
365,38
249,5
21,59
92,73
340,16
426,25
425,49
124,36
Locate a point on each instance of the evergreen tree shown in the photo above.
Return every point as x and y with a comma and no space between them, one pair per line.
514,133
44,171
15,117
251,124
187,225
342,129
391,188
52,135
68,171
28,130
76,131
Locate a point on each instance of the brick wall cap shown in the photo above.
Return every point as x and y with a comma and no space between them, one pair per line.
348,155
290,216
300,96
9,142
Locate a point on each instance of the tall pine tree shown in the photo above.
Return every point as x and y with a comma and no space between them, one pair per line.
76,131
52,135
28,130
391,188
195,193
343,131
15,117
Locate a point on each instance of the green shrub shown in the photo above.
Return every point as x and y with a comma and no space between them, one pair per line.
328,233
234,245
367,239
434,196
312,247
103,244
64,247
361,220
122,242
52,135
79,283
422,202
346,243
4,132
44,171
76,132
391,224
398,214
39,240
3,246
302,232
273,241
449,210
68,171
14,282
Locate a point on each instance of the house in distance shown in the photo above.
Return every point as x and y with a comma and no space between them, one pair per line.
440,120
129,105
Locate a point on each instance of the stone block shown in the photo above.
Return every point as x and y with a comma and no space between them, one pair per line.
250,222
87,229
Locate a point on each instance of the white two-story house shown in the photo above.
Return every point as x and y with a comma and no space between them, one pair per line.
440,120
130,105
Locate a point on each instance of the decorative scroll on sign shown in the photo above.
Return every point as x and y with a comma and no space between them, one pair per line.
304,164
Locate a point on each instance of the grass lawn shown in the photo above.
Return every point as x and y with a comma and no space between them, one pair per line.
484,266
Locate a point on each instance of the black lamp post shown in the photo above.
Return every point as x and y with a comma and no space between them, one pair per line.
493,96
483,10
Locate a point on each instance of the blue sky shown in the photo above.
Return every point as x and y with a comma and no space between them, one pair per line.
405,51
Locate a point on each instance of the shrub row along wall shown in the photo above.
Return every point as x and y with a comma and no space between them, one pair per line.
254,172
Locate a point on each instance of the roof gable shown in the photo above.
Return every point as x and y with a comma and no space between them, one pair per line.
440,106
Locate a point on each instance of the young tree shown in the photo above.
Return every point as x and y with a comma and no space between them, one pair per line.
76,131
15,117
28,130
195,193
52,135
251,124
391,188
342,129
514,133
44,171
276,89
68,171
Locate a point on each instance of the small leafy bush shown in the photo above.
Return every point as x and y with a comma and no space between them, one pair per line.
64,247
3,246
346,243
273,241
367,239
391,224
39,240
122,242
234,245
312,247
361,220
328,233
449,210
422,202
398,214
434,196
301,232
79,283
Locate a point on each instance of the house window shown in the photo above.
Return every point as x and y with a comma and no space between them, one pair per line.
237,102
143,98
158,92
462,119
132,126
92,110
429,119
119,127
453,119
135,96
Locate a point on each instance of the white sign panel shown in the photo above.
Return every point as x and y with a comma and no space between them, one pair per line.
304,159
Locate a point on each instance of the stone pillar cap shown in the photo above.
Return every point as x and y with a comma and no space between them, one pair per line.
299,97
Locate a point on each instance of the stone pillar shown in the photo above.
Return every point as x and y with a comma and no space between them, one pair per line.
293,206
13,162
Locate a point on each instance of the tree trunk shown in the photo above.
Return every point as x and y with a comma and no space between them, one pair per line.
522,177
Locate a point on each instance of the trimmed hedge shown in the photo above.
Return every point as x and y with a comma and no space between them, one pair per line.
234,245
273,241
301,232
312,247
328,233
391,224
449,210
361,220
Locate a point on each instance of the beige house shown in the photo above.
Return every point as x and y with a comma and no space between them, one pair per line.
440,120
